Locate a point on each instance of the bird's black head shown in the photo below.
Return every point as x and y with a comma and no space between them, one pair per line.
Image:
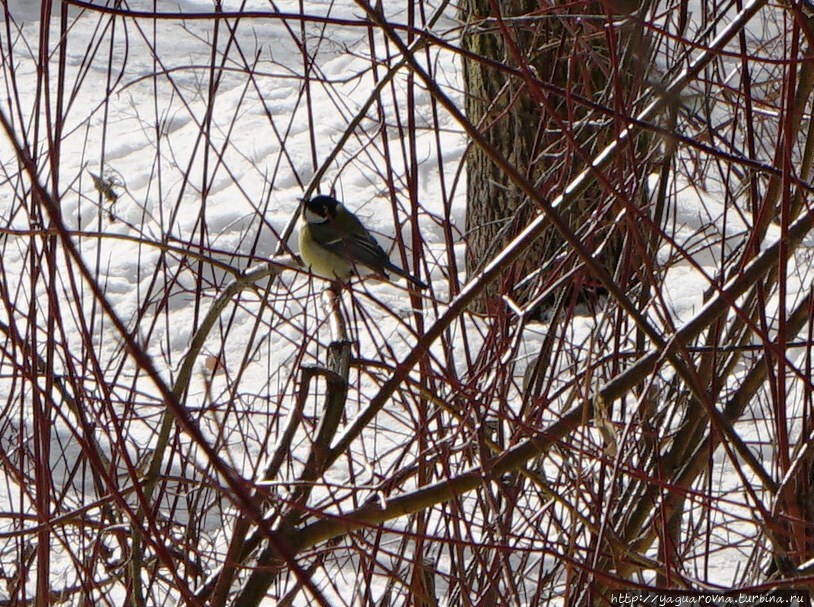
322,206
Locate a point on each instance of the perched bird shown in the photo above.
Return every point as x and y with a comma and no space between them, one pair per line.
334,243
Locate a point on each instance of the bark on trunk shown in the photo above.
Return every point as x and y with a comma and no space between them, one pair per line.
567,47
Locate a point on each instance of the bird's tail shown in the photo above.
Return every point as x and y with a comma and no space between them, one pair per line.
404,274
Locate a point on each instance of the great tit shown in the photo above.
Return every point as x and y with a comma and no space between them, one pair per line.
334,243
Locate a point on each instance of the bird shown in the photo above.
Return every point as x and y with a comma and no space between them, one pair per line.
334,243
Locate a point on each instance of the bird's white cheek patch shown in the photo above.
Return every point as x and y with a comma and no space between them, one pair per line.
312,217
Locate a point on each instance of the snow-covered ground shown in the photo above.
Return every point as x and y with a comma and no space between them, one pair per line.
222,173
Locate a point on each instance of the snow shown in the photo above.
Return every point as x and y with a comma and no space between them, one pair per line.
233,186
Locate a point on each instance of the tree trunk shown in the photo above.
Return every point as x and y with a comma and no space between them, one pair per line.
561,46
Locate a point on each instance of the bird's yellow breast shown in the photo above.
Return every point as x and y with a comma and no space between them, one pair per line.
319,260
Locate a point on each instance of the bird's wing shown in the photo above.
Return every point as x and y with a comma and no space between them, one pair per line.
357,245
